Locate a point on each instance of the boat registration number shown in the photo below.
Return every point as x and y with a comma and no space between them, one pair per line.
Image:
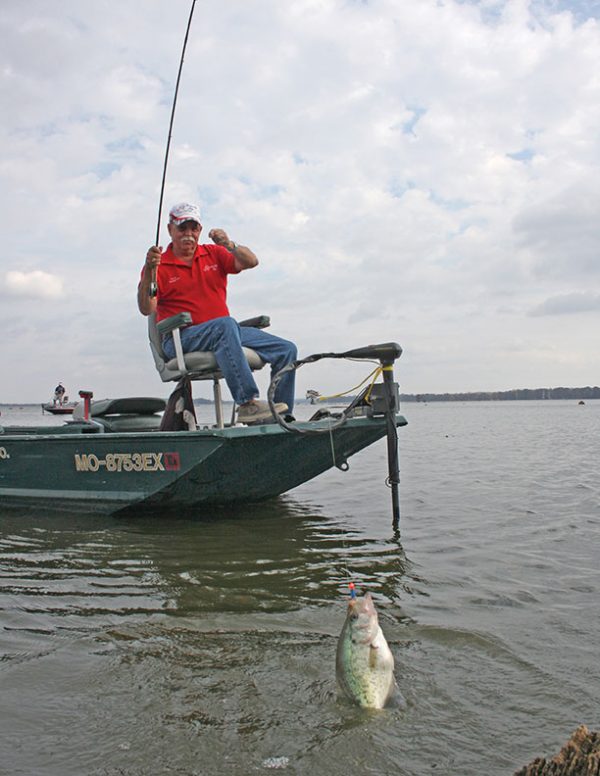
128,462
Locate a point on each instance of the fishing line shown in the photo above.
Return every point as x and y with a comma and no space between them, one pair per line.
153,287
374,374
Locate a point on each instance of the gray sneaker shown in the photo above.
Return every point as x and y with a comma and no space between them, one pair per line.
258,411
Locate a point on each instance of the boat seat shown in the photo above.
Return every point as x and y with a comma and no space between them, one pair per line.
128,414
116,423
197,365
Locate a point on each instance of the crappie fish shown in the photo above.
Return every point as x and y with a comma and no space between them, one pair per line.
364,662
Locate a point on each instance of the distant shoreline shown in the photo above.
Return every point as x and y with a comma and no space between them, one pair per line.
517,394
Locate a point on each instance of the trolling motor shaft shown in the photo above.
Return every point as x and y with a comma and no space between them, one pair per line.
391,393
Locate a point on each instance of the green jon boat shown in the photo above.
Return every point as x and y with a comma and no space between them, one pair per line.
115,458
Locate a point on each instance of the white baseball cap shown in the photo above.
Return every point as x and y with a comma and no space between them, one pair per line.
184,212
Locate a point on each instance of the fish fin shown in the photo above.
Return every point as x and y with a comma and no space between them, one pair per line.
373,656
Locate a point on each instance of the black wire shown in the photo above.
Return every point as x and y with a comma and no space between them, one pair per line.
325,429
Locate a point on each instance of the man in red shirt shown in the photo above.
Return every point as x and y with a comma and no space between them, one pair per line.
193,278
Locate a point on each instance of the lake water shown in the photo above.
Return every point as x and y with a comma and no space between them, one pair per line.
207,646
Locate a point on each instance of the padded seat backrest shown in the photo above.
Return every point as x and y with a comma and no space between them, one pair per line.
118,423
200,365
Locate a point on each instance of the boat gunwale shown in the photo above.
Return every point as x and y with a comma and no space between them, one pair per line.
229,432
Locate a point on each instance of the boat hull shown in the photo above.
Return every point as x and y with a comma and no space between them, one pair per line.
156,471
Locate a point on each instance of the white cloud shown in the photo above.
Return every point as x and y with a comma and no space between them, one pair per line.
33,285
423,171
569,304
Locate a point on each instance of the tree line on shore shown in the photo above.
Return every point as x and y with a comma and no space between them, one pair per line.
516,394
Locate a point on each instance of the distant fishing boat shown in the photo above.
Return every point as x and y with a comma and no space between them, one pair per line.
59,404
65,408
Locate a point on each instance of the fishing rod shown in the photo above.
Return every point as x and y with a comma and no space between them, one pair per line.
153,287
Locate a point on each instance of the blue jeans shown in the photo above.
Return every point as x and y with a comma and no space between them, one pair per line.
225,338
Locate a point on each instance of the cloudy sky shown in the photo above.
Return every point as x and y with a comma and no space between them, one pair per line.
423,171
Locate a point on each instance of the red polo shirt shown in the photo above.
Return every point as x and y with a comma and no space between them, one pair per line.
200,288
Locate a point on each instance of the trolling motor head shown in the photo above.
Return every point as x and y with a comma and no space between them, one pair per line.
387,352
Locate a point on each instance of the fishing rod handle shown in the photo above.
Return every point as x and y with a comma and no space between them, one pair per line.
153,290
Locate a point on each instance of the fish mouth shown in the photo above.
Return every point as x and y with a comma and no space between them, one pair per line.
366,640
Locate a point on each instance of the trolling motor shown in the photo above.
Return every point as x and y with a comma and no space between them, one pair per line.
379,399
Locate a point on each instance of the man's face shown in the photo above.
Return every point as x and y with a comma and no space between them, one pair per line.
185,237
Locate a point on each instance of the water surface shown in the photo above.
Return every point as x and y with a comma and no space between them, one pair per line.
206,645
